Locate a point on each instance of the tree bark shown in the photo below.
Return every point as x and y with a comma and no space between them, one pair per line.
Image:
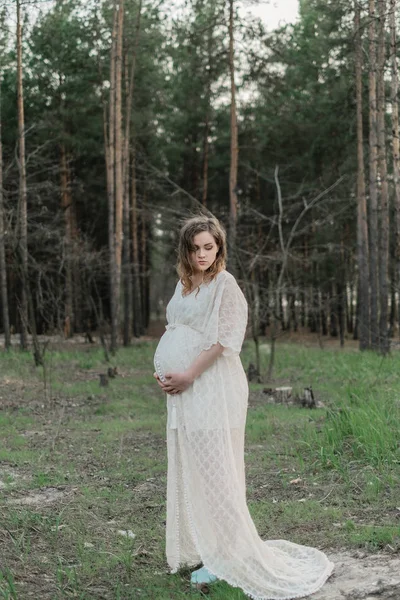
281,313
384,193
333,305
373,175
392,314
303,308
323,311
340,311
362,219
78,293
137,286
126,249
128,222
292,316
208,114
341,285
23,194
253,289
3,266
109,144
119,188
357,316
66,204
395,136
233,201
205,159
145,266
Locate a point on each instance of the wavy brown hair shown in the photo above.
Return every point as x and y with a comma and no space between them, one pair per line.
189,229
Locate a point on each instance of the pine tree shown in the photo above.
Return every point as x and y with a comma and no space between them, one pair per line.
373,178
362,219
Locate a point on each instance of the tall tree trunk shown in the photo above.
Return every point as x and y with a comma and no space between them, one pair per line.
282,318
373,175
362,219
205,158
264,300
127,277
145,269
78,293
348,306
340,310
66,204
395,137
340,290
129,93
126,250
392,315
253,289
3,267
233,201
208,114
292,320
323,311
384,193
23,211
137,285
304,283
357,319
303,308
109,143
119,187
333,304
314,319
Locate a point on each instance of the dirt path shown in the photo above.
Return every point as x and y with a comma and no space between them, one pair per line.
361,576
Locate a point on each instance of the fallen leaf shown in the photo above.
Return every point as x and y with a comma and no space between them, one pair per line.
58,527
127,533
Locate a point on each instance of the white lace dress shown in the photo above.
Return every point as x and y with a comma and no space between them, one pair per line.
207,515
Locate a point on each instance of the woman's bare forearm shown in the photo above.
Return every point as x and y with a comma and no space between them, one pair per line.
205,359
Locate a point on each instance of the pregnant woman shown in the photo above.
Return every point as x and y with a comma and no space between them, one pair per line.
198,366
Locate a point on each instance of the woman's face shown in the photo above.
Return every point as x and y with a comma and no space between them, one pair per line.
205,251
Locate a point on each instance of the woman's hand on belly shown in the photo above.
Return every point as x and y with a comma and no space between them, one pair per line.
175,383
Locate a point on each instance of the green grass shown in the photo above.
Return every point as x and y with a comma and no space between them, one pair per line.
7,585
328,477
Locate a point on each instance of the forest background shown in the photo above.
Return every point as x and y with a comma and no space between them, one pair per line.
119,119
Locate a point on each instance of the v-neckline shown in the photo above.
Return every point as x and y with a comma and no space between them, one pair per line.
192,292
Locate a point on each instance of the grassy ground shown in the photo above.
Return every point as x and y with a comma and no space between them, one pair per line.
83,469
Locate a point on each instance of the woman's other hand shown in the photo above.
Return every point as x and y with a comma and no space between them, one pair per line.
175,383
160,383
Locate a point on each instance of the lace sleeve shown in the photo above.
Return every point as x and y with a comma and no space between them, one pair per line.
228,320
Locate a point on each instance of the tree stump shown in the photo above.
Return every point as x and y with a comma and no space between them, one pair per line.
253,374
112,372
283,395
307,400
103,379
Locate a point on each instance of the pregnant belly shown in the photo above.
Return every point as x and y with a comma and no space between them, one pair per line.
176,350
